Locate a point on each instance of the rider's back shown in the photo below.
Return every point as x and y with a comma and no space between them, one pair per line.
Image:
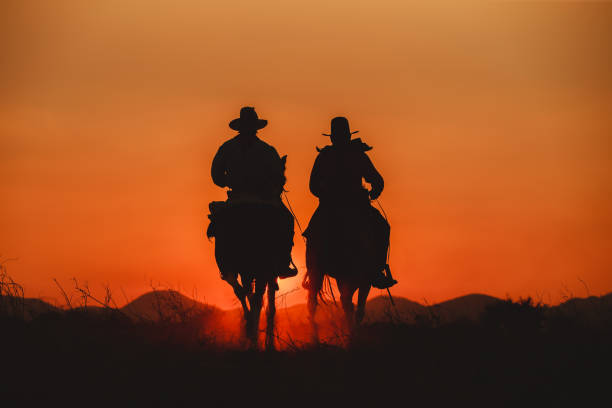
338,172
251,168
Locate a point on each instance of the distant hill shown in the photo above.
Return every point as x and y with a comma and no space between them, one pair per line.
166,305
468,307
27,308
593,309
381,309
169,305
587,303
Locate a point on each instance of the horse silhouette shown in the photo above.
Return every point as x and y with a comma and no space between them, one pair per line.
347,238
251,244
348,257
253,229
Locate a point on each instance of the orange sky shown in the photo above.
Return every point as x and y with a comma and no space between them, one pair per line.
490,123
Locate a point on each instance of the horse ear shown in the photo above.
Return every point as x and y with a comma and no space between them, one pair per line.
284,159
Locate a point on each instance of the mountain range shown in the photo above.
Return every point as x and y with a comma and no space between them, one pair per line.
172,305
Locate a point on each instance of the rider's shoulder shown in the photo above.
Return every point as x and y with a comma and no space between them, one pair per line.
266,147
325,150
356,146
229,144
359,145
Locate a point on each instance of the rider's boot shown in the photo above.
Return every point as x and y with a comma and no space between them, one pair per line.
383,280
290,272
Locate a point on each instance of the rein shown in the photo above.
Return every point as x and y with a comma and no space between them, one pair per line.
326,278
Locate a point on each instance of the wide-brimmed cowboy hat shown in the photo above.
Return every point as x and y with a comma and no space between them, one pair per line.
340,126
248,120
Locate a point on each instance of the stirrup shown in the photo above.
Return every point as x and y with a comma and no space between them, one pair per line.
386,284
384,281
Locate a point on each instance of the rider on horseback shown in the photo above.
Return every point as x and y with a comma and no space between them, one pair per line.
344,203
254,172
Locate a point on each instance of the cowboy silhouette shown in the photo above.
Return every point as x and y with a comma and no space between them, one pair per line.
345,225
254,173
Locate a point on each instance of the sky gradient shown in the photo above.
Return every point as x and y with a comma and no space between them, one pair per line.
491,124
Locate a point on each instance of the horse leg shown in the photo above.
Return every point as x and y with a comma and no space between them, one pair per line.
256,302
270,314
362,297
314,288
242,294
346,299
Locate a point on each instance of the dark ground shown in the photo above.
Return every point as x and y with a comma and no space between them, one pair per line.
517,354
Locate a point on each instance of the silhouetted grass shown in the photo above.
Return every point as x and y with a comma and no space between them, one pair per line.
95,354
516,354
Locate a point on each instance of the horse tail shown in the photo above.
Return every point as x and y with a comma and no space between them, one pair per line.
322,290
326,291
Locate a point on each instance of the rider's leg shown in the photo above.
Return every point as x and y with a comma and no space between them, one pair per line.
381,230
383,233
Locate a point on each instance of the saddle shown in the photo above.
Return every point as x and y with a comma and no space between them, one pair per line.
344,240
257,228
217,210
233,216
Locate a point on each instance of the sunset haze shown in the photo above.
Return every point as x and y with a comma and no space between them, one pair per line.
491,124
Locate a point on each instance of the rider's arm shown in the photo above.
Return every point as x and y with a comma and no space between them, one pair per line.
218,170
372,176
